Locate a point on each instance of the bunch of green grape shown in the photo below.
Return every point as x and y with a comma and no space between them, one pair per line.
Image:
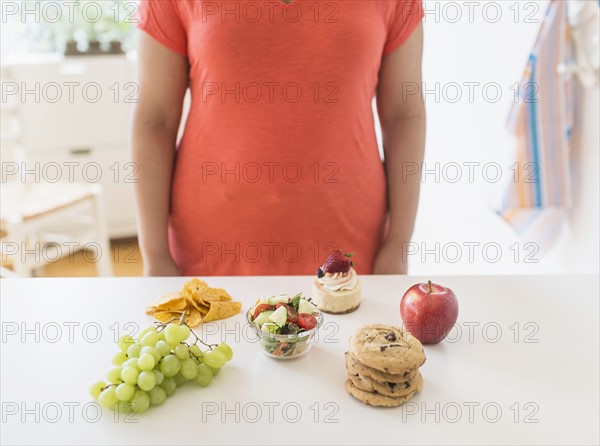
147,371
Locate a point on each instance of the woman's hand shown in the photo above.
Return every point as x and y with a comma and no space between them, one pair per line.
389,259
163,266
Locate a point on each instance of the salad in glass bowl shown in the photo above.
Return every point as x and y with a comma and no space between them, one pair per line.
285,325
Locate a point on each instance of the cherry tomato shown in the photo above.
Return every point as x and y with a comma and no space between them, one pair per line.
260,308
307,321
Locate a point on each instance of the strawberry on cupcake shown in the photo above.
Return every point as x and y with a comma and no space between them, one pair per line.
336,288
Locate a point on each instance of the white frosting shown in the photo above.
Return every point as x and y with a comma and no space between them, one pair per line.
339,281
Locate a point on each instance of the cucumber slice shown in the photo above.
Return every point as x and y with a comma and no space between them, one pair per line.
263,317
270,327
305,306
276,299
279,316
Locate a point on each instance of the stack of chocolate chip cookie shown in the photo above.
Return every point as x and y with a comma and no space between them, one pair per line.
383,365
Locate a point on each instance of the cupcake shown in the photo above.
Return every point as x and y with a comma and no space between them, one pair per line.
337,289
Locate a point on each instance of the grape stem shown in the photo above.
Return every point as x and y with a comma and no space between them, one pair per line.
182,318
162,325
202,342
193,355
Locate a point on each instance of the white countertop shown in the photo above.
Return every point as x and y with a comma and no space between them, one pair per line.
523,368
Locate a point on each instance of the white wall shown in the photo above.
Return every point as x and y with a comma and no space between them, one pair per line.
579,251
475,49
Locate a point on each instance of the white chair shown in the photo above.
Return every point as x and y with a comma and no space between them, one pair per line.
44,222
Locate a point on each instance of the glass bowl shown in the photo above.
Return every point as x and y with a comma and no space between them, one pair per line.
282,346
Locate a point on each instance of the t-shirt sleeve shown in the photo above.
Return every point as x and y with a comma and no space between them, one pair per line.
406,16
162,21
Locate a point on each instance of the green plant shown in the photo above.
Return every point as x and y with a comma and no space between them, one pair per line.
104,21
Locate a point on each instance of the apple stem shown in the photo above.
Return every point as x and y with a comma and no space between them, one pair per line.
430,290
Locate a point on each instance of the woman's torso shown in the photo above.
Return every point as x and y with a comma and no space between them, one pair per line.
279,163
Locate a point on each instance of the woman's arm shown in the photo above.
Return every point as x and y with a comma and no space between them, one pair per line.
402,117
163,80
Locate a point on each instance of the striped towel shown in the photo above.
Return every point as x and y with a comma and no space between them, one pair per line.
535,202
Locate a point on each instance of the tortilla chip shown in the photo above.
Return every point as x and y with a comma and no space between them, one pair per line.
201,303
193,317
171,302
193,287
215,295
167,297
222,310
166,316
200,306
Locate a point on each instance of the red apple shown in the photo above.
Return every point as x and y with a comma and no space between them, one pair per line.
429,311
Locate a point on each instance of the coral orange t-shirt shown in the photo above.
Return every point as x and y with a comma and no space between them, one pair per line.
278,164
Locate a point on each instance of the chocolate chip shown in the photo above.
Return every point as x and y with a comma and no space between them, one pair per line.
320,273
382,348
406,385
392,386
390,336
